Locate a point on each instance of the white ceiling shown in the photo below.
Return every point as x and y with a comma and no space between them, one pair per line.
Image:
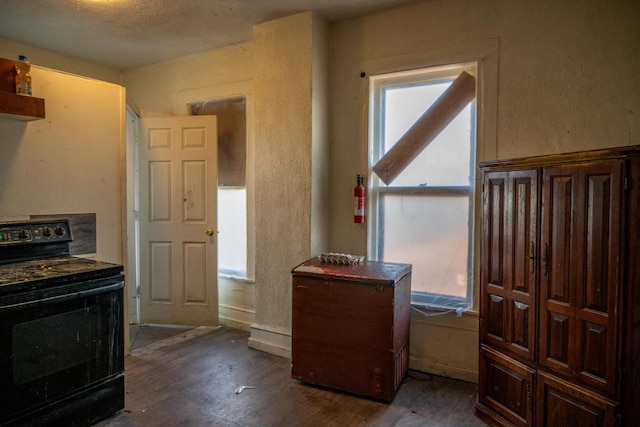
124,34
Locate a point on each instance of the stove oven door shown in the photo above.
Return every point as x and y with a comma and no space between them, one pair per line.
62,355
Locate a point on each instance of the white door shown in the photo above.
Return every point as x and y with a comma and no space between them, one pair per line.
178,250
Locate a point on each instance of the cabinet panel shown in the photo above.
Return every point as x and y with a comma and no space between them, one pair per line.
495,317
559,207
509,253
494,206
521,318
560,403
599,235
557,342
523,205
507,388
350,327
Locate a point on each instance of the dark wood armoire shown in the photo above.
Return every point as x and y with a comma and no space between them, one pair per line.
560,290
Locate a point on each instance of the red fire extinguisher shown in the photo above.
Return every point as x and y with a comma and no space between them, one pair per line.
358,201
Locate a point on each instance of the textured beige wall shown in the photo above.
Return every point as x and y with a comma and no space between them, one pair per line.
167,88
566,79
283,66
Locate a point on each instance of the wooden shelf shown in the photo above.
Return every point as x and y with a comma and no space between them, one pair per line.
25,108
12,106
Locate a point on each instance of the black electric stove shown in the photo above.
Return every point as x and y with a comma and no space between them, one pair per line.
61,329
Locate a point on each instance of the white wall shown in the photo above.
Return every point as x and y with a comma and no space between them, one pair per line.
562,76
70,161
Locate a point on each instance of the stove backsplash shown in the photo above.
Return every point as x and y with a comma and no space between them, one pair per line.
83,228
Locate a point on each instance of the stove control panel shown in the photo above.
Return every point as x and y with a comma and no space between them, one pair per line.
34,232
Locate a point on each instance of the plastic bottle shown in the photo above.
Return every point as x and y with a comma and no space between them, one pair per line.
23,77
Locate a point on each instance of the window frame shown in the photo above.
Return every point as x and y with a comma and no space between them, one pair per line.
247,274
377,189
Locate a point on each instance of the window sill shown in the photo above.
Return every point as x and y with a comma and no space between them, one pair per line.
236,277
429,310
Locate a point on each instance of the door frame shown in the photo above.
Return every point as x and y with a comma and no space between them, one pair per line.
132,218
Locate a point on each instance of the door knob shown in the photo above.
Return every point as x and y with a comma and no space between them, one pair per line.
210,232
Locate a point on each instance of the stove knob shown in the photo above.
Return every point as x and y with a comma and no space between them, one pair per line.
47,231
22,234
59,231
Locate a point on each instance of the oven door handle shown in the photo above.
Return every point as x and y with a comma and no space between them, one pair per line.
65,297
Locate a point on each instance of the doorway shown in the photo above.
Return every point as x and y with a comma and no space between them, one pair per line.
171,220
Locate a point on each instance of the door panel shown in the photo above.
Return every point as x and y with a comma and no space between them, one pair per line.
195,278
159,191
598,238
161,279
492,326
178,190
521,332
557,257
557,318
494,207
510,205
580,280
194,208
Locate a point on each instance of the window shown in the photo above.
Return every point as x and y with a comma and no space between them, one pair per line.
424,216
232,190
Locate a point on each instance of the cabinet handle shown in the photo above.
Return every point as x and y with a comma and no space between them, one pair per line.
532,257
545,259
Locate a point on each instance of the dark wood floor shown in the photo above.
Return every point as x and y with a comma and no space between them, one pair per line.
142,335
191,378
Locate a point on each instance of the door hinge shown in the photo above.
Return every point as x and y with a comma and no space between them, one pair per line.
626,183
136,215
620,379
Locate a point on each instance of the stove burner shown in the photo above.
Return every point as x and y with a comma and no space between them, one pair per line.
43,268
71,268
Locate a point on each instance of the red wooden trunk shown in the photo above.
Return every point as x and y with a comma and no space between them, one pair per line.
350,326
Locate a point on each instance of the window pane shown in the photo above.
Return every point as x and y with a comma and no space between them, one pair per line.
431,233
232,137
446,160
232,223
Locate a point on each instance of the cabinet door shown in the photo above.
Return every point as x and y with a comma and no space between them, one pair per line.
509,261
506,388
342,335
560,403
581,229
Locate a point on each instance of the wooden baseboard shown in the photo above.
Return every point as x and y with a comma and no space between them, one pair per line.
270,340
